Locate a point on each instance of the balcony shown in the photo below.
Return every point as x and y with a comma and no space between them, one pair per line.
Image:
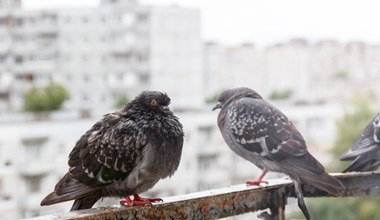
39,167
37,66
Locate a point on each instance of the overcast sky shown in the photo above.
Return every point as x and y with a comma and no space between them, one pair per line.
265,22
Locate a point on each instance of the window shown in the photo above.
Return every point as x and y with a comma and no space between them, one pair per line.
18,21
85,20
85,97
67,20
85,58
314,123
205,132
205,162
33,184
62,148
19,59
144,78
86,78
67,58
69,78
33,151
3,58
33,147
142,17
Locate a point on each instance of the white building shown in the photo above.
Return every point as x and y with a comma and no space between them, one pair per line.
323,71
231,67
101,54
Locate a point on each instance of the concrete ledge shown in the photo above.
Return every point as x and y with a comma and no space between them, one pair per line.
228,201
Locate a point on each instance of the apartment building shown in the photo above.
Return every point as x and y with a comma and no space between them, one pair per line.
100,54
322,71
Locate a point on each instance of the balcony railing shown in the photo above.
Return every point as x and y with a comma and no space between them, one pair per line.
229,201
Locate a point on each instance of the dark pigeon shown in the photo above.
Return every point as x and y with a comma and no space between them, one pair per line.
125,153
366,151
263,135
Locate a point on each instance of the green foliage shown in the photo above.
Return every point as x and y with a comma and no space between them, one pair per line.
121,101
340,75
349,128
280,95
212,99
45,99
342,208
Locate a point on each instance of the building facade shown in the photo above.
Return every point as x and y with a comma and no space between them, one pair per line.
100,54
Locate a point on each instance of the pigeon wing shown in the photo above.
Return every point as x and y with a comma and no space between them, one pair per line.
261,128
107,152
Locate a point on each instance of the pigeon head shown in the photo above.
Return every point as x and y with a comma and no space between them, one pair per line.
376,121
153,100
232,94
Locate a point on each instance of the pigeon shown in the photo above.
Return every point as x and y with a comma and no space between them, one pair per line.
260,133
125,153
366,151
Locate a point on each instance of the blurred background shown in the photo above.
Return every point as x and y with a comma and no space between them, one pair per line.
63,64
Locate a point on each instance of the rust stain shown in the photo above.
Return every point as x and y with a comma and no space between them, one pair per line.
226,202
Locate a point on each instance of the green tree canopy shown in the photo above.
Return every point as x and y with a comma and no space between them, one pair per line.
349,128
281,94
121,101
45,99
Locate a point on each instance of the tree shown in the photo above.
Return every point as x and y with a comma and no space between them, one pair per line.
45,99
212,99
121,101
349,128
282,94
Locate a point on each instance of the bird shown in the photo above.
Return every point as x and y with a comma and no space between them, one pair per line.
260,133
123,154
365,153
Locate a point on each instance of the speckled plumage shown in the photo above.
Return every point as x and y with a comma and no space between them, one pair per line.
263,135
126,152
366,151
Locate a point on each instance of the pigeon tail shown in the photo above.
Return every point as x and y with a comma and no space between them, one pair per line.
324,182
362,164
301,201
86,202
310,171
68,189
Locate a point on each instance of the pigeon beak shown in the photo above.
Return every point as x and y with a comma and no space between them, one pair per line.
165,108
219,105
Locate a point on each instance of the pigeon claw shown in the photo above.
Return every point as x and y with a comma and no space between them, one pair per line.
255,182
139,201
259,179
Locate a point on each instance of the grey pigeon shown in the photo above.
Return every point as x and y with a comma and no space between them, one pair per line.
366,152
125,153
263,135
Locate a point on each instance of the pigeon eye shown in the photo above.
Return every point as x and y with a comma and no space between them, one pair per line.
153,103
